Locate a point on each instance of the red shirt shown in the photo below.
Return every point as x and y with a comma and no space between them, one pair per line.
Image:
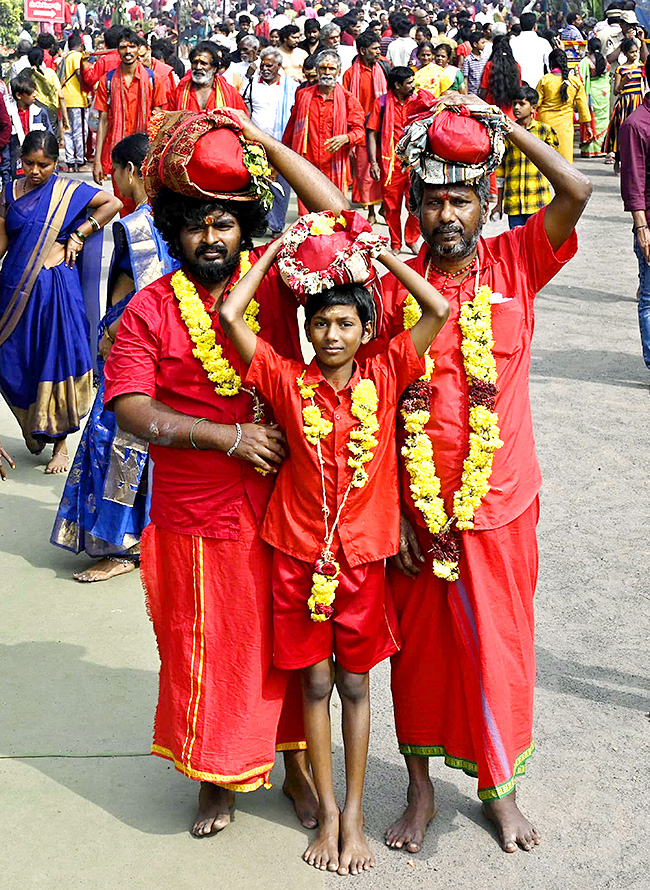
516,265
130,109
366,94
184,96
320,128
375,118
196,492
92,74
167,77
368,529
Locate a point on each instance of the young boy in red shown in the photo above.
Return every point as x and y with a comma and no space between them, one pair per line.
333,518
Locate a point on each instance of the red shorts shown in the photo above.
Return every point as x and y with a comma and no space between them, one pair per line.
361,633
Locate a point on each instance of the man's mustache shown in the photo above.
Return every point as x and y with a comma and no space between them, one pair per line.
448,229
211,248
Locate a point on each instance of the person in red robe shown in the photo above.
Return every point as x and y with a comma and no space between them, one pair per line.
206,570
162,72
385,127
326,123
465,578
366,80
126,97
106,60
203,88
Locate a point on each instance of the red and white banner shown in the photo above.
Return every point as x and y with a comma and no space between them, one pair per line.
44,11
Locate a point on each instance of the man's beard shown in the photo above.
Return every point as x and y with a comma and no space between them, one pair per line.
465,246
327,80
202,78
212,272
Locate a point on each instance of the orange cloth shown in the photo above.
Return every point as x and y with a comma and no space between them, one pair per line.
124,121
92,74
368,529
220,698
395,195
166,75
463,682
222,95
366,92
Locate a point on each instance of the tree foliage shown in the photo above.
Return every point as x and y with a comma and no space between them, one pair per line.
11,22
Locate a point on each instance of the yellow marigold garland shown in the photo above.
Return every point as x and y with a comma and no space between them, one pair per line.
199,325
475,322
362,441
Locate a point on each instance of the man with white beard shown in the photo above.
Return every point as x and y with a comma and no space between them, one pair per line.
202,89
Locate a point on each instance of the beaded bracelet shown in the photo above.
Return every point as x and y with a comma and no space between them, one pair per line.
195,424
234,448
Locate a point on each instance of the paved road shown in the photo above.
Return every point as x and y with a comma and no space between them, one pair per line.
82,806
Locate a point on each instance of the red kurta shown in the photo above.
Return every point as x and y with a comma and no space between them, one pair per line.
206,570
365,190
463,682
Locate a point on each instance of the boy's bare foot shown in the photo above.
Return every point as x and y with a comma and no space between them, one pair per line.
512,826
59,460
323,852
356,855
299,787
409,831
214,812
105,569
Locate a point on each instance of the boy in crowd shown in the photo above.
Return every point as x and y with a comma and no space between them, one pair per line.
523,190
331,617
25,116
474,63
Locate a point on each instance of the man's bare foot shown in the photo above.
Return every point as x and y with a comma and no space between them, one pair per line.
513,828
107,568
60,459
299,787
356,855
372,216
214,812
409,831
323,852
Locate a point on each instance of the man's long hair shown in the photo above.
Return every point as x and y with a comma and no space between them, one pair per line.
171,212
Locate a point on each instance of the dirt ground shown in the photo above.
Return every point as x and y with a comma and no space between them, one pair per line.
83,806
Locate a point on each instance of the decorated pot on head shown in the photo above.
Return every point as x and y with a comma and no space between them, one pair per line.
444,143
206,156
322,250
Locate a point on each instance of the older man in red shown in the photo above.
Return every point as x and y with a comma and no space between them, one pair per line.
175,380
463,681
326,123
202,88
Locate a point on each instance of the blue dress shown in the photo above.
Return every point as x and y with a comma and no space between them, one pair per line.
46,369
105,503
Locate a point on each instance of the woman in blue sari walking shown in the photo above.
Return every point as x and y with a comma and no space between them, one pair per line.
105,503
46,374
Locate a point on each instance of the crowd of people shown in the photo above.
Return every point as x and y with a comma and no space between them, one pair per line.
379,501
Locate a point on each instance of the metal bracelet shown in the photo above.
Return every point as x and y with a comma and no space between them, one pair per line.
234,448
93,222
195,424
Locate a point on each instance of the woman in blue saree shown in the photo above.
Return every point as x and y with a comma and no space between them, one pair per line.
46,371
105,503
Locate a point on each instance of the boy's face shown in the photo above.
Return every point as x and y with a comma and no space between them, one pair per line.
26,99
479,46
522,109
336,333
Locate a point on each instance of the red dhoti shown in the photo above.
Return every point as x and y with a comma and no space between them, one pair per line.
365,189
395,194
220,709
463,682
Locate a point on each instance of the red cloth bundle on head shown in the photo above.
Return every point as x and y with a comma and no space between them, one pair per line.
322,250
205,156
456,136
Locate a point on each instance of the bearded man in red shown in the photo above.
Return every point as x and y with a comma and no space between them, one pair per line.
174,379
203,88
326,123
463,681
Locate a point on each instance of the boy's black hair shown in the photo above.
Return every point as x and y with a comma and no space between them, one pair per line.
23,84
343,295
528,93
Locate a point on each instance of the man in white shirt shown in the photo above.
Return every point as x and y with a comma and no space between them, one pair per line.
330,37
399,50
279,20
531,51
269,97
22,61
